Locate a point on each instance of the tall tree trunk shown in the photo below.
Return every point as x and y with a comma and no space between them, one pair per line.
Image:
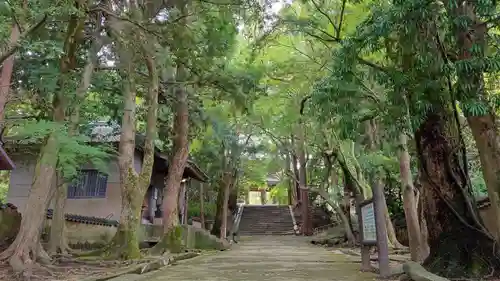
424,236
125,243
57,237
346,204
179,160
339,208
409,200
460,245
391,232
345,221
371,132
346,201
291,181
6,74
216,227
487,140
471,86
295,169
304,192
25,249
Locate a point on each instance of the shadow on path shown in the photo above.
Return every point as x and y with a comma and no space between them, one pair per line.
276,258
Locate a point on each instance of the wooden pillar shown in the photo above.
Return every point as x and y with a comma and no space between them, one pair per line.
382,243
186,201
202,206
181,202
152,202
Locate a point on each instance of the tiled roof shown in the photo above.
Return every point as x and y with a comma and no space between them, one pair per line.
85,219
8,205
72,217
104,132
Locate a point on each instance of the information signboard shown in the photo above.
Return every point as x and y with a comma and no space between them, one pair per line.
368,221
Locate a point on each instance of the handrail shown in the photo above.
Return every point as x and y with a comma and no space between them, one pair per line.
295,226
236,222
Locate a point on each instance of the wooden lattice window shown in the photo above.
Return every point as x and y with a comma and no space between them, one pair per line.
88,184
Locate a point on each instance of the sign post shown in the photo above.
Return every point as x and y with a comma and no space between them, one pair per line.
373,229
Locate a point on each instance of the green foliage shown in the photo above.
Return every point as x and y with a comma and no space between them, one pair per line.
74,151
194,209
478,185
279,193
4,185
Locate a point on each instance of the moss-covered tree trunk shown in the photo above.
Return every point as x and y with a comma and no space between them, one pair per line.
134,184
58,190
57,236
125,243
460,245
177,164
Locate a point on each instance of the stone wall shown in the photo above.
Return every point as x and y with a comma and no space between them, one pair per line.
82,233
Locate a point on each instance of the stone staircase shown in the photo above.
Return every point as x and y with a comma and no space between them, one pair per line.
266,220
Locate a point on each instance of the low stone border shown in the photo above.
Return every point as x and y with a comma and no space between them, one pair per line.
144,267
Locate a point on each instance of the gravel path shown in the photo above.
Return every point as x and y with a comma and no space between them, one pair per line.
276,258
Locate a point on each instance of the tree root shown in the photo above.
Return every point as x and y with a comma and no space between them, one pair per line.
171,241
62,249
468,255
24,258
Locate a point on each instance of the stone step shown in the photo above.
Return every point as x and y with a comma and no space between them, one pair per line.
284,226
266,220
266,223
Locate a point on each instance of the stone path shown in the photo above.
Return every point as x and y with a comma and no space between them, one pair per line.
273,258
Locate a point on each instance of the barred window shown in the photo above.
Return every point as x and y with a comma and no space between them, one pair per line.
88,184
